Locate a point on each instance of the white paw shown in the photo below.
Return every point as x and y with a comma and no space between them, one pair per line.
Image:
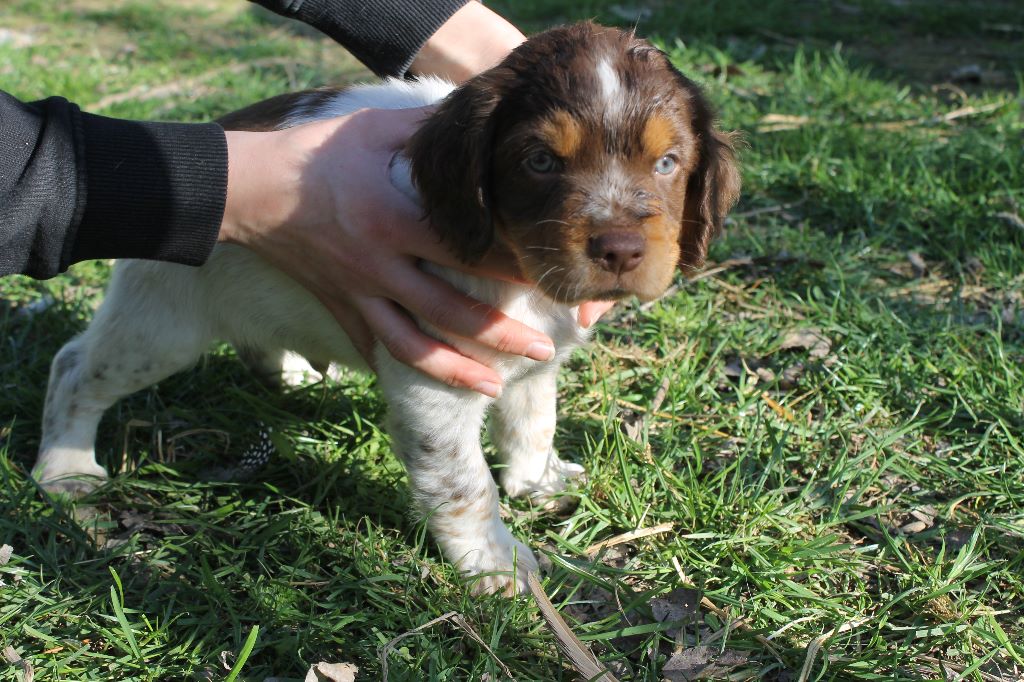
65,476
499,567
542,486
296,371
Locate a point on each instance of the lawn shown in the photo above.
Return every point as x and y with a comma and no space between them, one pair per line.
817,442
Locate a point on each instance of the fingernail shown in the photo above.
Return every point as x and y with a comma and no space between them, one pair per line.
540,351
488,388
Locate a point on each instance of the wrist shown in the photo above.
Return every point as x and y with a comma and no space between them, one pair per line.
252,201
473,40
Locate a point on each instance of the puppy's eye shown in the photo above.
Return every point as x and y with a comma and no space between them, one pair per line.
665,165
542,162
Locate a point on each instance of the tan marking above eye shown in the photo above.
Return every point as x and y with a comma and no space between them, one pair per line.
658,137
563,133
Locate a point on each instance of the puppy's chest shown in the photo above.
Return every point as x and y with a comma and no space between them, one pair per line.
522,303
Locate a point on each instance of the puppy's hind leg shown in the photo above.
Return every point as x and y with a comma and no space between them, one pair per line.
144,332
279,368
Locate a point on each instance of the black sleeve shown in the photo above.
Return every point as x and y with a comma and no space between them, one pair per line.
75,186
385,35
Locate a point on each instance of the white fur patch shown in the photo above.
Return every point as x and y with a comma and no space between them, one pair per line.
611,88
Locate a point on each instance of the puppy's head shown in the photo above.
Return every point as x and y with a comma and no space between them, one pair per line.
589,156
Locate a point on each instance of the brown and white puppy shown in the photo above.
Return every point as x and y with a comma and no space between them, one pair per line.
585,152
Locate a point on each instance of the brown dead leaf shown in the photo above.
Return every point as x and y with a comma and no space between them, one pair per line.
332,672
679,604
702,663
810,339
791,376
917,262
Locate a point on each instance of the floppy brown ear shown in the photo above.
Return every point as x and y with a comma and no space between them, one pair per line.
713,188
451,159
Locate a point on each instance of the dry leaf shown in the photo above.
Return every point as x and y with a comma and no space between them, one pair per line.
811,339
917,262
5,554
701,663
679,604
332,672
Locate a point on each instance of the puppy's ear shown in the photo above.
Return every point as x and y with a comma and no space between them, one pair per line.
713,188
451,166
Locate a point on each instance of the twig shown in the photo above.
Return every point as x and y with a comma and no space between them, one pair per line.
815,645
659,397
629,537
768,209
771,123
14,659
583,659
959,669
1012,218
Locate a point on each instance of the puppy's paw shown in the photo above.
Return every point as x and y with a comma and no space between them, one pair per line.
543,486
64,478
497,565
297,372
503,570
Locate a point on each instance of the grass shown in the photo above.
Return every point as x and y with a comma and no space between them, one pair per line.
830,418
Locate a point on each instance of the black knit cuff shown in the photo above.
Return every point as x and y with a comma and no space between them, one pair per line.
152,190
385,35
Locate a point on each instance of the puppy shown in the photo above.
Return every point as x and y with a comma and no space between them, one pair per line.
586,153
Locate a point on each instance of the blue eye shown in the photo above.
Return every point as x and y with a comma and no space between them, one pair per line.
542,162
665,165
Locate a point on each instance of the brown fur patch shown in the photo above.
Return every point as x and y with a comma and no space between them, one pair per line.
270,114
563,132
658,136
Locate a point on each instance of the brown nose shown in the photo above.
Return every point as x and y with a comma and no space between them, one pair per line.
617,252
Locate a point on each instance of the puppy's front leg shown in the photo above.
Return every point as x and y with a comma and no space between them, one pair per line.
436,432
523,429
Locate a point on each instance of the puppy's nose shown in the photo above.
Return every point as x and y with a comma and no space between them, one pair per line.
619,251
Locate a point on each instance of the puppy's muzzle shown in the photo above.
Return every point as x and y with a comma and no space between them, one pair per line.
617,252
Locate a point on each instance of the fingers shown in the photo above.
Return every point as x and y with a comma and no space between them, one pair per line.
409,345
443,306
591,312
355,326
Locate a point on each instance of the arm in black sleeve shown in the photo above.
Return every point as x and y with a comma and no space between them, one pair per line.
75,186
385,35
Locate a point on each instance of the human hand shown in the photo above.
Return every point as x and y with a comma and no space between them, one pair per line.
285,202
355,244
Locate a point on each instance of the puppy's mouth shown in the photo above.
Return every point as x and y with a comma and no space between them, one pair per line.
571,275
574,288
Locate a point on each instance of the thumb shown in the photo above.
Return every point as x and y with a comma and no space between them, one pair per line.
392,127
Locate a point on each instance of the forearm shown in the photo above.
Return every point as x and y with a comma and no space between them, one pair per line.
75,186
473,40
385,35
